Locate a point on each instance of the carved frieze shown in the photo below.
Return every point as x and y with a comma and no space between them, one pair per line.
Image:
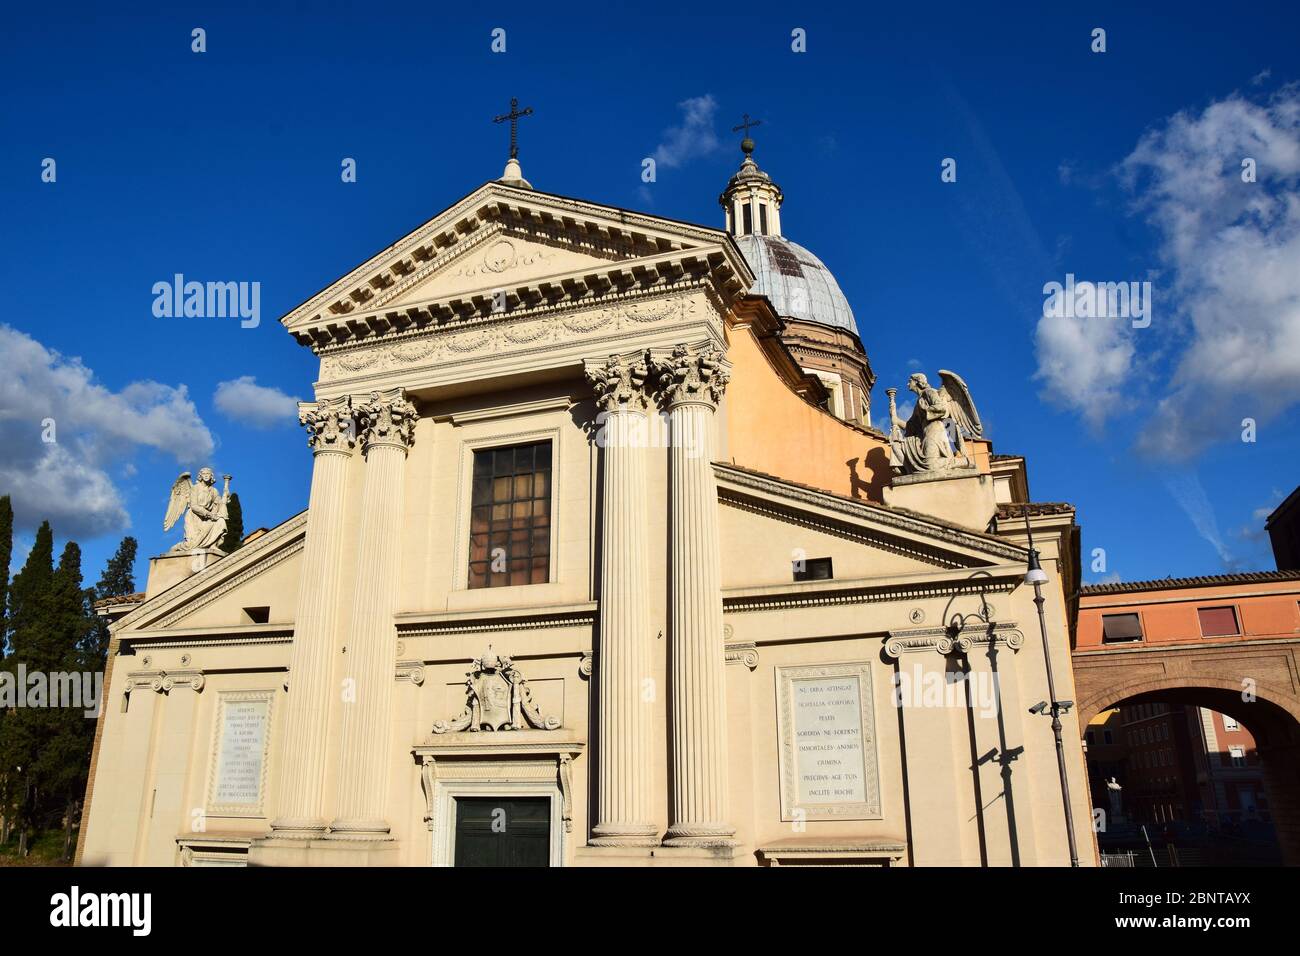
533,328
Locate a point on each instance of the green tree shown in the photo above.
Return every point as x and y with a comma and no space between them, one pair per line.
66,732
118,580
6,553
33,622
234,526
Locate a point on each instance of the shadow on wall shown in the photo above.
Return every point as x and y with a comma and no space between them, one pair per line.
868,476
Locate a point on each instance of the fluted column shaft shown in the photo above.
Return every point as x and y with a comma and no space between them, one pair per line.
693,381
302,764
624,679
385,424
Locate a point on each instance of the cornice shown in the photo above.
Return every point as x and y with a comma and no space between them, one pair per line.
438,623
732,481
866,591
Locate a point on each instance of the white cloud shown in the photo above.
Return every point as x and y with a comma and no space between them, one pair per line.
1233,249
1224,344
259,406
93,427
694,137
1084,363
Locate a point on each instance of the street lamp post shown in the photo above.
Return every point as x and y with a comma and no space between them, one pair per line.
1036,576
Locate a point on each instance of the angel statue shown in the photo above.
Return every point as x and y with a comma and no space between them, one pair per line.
933,439
205,522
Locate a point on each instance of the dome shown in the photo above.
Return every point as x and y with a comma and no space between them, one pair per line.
795,281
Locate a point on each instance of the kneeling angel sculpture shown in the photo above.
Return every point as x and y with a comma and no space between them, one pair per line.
932,440
204,510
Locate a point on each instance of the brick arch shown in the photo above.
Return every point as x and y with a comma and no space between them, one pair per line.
1225,697
1275,725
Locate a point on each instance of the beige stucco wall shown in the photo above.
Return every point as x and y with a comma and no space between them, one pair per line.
895,577
160,752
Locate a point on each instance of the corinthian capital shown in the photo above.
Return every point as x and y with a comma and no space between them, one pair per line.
328,423
386,418
689,375
622,383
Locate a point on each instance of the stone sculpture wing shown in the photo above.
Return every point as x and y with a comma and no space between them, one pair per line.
179,500
961,404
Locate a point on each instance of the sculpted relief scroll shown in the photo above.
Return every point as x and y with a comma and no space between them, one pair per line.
490,337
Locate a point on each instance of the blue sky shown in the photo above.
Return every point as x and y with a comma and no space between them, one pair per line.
225,165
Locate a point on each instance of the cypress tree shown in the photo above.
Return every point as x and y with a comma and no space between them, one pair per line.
234,526
63,762
30,596
6,553
33,624
118,580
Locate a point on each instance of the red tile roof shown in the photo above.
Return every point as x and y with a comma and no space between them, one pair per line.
1016,509
1245,577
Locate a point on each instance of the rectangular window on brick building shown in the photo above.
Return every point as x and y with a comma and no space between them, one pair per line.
510,516
1218,621
1116,628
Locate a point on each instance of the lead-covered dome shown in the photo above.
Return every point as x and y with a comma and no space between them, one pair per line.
795,281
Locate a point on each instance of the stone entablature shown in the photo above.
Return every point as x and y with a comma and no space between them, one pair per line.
509,343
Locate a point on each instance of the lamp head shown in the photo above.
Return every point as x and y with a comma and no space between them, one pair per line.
1035,574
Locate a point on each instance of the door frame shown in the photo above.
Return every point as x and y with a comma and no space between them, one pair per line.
446,792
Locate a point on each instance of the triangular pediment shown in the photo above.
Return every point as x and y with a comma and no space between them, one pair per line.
863,539
532,246
503,256
263,573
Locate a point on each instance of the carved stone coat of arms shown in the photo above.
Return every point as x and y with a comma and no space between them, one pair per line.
497,698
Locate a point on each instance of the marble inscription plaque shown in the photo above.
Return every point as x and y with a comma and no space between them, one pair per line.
243,725
828,739
827,743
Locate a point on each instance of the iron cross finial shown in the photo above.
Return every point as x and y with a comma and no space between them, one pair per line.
747,144
513,117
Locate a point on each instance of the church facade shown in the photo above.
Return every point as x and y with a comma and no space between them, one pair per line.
604,564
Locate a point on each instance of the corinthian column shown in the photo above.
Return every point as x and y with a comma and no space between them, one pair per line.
692,381
385,424
624,786
302,766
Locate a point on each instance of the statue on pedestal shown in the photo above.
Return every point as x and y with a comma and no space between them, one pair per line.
932,440
1113,792
204,510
